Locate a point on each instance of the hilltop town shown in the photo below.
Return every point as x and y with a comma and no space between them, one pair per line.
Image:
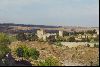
43,45
15,28
49,32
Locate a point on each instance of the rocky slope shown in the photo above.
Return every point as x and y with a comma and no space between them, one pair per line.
77,56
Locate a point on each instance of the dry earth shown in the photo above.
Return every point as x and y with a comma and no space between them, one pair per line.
76,56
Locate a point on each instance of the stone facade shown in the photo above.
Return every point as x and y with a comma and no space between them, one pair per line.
97,32
40,33
61,33
43,35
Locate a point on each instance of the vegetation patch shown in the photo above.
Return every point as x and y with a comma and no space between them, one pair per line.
4,39
24,51
50,61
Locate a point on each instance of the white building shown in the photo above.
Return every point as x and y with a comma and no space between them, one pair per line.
61,33
97,32
95,35
43,35
82,36
75,44
40,33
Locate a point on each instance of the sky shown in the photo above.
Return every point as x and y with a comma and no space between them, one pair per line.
50,12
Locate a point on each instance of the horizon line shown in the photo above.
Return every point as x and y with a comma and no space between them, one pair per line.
51,25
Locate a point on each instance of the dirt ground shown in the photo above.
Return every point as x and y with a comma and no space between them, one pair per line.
76,56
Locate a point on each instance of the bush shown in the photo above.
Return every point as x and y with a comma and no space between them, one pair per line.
51,39
34,53
32,37
12,38
71,39
3,50
23,51
85,40
58,43
20,52
91,32
50,61
66,34
60,39
96,45
88,45
4,39
26,52
96,39
21,36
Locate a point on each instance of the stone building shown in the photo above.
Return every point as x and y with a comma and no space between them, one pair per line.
97,32
40,33
44,34
61,33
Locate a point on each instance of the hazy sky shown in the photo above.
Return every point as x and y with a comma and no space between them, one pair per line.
50,12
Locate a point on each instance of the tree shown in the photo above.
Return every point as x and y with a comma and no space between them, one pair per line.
81,32
51,39
29,37
91,32
75,33
60,38
21,36
85,40
96,45
97,38
66,34
32,37
88,45
94,31
71,39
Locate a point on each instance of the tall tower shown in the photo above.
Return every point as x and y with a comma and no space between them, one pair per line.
40,33
61,33
97,32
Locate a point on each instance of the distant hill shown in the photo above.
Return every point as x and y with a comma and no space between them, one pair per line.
28,25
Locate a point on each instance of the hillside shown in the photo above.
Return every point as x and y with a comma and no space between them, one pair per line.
76,56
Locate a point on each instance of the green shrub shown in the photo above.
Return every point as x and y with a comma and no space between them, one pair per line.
58,43
71,39
4,39
59,38
91,32
96,39
21,36
3,50
24,51
32,37
51,39
34,53
20,52
85,40
12,38
96,45
88,45
50,61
